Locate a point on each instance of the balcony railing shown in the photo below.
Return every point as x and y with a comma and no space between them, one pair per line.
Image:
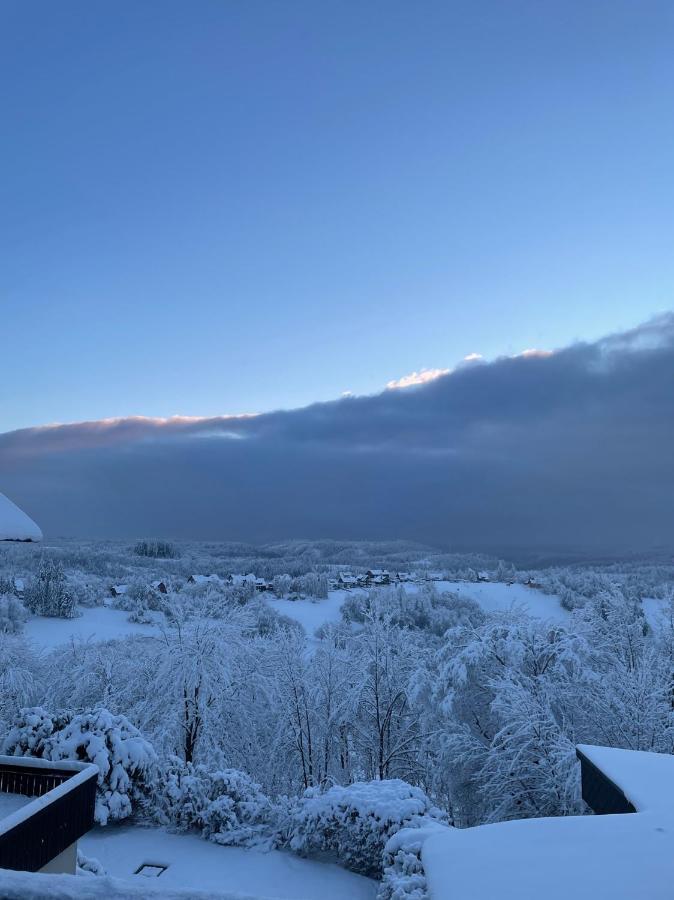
61,811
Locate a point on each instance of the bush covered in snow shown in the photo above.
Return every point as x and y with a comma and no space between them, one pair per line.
48,594
12,614
355,822
404,877
226,806
124,758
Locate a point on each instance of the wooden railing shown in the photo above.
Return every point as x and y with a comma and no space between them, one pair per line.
61,811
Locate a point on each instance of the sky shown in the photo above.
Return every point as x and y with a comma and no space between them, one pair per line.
219,207
566,450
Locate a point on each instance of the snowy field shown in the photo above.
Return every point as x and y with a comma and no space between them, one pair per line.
491,597
98,623
104,623
195,863
311,614
494,596
655,611
497,596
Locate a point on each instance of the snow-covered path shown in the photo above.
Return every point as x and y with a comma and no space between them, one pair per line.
199,864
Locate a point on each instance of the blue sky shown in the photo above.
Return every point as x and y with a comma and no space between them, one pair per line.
222,207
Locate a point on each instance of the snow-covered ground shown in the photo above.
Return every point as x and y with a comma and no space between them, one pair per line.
101,623
496,596
655,611
492,596
196,863
621,857
9,803
311,614
98,623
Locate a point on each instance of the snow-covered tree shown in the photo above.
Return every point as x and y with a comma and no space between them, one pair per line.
124,758
48,593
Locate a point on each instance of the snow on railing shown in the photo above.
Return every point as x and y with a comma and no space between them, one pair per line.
28,886
62,811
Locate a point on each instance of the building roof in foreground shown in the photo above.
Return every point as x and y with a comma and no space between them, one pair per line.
621,856
15,525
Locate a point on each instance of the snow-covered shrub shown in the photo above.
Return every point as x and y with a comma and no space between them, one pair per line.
156,549
32,730
312,584
123,756
89,865
404,877
12,614
137,600
267,621
138,603
48,594
226,806
355,822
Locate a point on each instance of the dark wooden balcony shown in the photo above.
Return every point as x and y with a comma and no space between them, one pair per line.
60,810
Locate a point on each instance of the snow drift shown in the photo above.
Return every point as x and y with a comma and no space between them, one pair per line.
15,525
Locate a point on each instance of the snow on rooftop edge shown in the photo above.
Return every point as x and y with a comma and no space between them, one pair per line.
621,856
15,525
645,778
39,886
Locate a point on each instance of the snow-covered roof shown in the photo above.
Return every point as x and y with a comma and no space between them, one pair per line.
15,525
646,779
623,857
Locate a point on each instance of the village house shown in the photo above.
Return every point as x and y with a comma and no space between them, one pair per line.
378,576
346,580
204,579
403,577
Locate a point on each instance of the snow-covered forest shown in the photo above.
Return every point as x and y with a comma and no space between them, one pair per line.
248,696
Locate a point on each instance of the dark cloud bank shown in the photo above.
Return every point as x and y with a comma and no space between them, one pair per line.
571,450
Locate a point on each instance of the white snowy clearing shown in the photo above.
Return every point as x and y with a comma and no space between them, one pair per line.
15,525
97,623
199,864
101,623
656,611
311,614
622,857
497,596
